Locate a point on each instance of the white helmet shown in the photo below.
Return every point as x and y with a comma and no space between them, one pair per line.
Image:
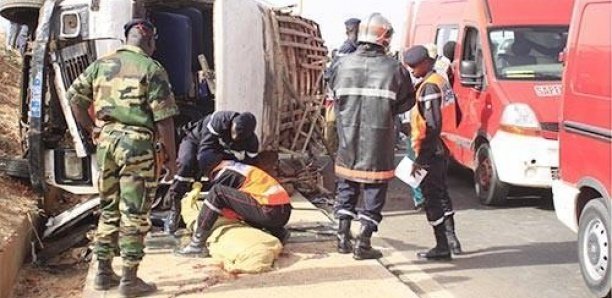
432,50
375,29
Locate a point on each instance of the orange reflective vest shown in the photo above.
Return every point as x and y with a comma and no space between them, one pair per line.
418,122
258,184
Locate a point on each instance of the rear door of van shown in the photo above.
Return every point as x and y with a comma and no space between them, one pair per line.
586,137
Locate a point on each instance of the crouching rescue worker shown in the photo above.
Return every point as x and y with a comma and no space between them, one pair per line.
245,193
133,103
223,135
433,94
369,88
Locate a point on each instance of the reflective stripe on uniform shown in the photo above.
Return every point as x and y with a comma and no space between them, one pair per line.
437,222
346,212
364,175
184,179
365,217
209,125
366,92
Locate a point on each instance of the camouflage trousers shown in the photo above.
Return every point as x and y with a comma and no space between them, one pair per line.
127,184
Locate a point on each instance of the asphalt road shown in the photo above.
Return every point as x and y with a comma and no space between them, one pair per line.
519,250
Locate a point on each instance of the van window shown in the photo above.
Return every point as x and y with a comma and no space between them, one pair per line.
472,47
528,53
592,61
444,35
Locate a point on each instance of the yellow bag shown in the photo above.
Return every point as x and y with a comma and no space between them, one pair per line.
242,248
190,206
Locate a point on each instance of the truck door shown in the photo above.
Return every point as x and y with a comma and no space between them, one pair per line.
469,86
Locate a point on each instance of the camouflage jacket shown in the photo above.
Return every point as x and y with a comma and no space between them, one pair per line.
126,87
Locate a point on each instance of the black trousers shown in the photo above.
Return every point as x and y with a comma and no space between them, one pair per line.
374,197
269,217
187,170
437,203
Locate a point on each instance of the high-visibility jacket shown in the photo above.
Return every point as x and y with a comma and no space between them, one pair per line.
433,95
255,182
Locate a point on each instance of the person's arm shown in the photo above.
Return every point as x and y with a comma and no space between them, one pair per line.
209,149
430,108
251,150
80,96
163,107
406,96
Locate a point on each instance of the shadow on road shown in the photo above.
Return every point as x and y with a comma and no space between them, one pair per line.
535,254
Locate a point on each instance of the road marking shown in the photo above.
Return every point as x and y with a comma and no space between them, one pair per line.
423,284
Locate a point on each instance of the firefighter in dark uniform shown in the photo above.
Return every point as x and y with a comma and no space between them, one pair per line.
223,135
433,94
369,89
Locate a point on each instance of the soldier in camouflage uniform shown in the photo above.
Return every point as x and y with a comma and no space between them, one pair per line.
132,101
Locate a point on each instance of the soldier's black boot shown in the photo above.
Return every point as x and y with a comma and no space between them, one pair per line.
453,241
441,251
344,236
132,286
363,249
197,246
105,276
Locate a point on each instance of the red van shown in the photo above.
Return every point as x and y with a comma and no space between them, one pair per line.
507,82
582,194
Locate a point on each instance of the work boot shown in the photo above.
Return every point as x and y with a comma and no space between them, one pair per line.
173,218
363,249
453,241
344,236
132,286
196,247
105,276
441,251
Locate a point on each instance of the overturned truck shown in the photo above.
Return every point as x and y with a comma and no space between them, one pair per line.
233,54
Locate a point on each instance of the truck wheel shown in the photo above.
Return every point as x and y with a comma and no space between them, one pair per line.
594,247
489,189
20,11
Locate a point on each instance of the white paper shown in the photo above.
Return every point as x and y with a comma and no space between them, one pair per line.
403,170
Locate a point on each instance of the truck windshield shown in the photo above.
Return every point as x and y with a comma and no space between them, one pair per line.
527,53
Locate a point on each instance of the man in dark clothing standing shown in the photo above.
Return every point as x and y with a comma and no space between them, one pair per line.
223,135
433,94
350,44
369,88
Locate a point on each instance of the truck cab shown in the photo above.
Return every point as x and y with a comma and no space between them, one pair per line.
219,55
507,84
582,191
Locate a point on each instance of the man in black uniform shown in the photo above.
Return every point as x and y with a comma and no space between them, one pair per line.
369,88
223,135
433,94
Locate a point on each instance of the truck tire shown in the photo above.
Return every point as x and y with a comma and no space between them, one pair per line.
20,11
594,247
489,189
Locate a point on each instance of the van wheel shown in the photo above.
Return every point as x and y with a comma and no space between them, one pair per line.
20,11
594,247
489,189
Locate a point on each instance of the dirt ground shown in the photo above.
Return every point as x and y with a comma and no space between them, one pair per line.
67,277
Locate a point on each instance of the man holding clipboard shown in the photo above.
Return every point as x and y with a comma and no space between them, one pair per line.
433,94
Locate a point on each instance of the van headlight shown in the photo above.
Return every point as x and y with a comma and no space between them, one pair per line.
519,118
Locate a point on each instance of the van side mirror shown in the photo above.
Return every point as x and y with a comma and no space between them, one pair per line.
470,75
